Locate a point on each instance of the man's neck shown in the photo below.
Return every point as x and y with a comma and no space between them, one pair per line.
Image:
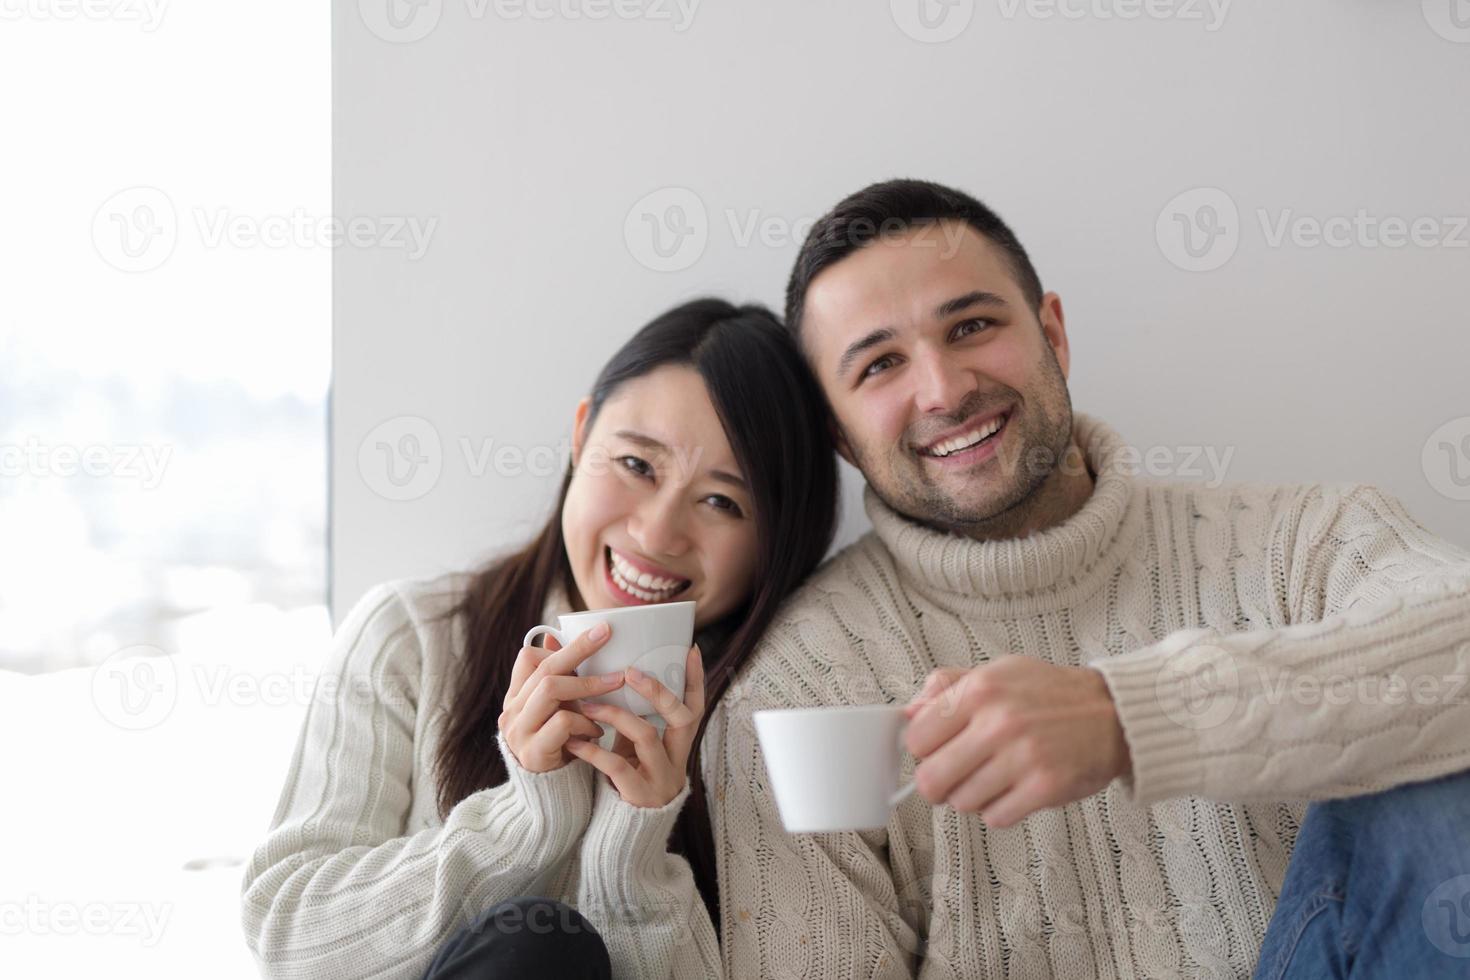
1061,495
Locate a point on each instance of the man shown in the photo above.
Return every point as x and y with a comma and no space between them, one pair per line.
1129,691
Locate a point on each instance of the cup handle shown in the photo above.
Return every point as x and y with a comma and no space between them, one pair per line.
543,630
907,790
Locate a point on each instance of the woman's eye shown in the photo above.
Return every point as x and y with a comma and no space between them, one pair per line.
637,466
878,366
721,502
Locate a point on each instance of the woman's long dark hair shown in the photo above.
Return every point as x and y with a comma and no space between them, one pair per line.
776,421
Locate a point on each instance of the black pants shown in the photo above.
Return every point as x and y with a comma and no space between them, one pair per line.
523,937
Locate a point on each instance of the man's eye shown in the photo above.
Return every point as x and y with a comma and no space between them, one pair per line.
721,502
967,327
877,367
636,465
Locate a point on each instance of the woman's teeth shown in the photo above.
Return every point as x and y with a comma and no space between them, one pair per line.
649,588
950,446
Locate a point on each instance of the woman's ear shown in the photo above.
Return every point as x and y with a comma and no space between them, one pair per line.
579,428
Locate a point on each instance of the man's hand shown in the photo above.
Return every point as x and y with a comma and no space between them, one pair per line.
1014,736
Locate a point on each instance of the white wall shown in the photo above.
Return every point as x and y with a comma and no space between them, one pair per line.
531,141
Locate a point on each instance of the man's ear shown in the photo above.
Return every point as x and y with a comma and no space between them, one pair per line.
579,428
1054,329
839,441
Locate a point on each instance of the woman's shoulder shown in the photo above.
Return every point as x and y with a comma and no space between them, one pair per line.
419,605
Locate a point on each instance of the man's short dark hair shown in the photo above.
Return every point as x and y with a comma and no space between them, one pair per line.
894,207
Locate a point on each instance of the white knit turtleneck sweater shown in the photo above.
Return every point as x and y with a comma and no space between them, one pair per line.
1214,614
1266,646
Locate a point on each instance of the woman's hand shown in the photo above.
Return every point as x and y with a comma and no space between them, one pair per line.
649,771
536,722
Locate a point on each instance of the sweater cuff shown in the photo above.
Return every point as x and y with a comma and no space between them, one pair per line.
627,843
559,802
1167,695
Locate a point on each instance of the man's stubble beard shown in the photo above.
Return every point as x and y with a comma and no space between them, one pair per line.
1045,433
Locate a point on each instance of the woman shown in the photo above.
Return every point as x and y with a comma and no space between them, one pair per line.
445,776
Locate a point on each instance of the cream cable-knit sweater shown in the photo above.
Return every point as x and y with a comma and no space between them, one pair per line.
1185,597
1265,645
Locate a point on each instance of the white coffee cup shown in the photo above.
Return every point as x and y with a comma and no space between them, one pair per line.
834,768
654,638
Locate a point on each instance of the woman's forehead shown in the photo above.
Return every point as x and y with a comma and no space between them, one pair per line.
669,410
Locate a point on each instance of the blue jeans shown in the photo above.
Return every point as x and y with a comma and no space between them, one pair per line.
1377,886
523,937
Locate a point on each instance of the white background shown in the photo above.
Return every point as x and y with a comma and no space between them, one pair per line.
532,132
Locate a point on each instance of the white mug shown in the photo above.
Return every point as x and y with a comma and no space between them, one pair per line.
654,638
834,768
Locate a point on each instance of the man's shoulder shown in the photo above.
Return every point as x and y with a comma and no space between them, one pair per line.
841,633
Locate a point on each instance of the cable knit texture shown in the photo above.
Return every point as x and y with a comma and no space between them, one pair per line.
1266,646
358,877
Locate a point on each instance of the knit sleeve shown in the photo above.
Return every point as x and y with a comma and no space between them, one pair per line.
642,899
340,887
794,905
1364,689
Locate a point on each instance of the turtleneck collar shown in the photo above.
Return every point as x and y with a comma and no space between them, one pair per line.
1039,571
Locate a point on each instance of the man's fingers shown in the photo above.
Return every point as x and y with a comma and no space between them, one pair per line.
950,765
984,786
1023,799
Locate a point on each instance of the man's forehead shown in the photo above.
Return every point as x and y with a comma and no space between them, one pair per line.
898,281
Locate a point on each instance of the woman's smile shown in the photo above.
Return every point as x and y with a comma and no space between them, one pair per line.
633,580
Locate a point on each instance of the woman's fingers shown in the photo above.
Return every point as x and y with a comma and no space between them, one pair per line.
561,728
526,663
554,661
566,661
694,680
679,738
639,733
624,775
664,701
551,691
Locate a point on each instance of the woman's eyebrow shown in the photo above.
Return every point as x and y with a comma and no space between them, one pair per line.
650,443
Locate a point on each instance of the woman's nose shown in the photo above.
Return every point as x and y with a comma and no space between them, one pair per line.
658,527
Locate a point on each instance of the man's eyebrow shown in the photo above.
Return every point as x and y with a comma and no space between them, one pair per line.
856,348
975,298
653,445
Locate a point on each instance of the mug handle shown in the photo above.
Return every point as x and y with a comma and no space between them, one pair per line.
907,790
543,630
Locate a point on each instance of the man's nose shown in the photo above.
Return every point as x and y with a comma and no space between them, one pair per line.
942,384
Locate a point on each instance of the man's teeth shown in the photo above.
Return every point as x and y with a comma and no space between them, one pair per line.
950,446
647,587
